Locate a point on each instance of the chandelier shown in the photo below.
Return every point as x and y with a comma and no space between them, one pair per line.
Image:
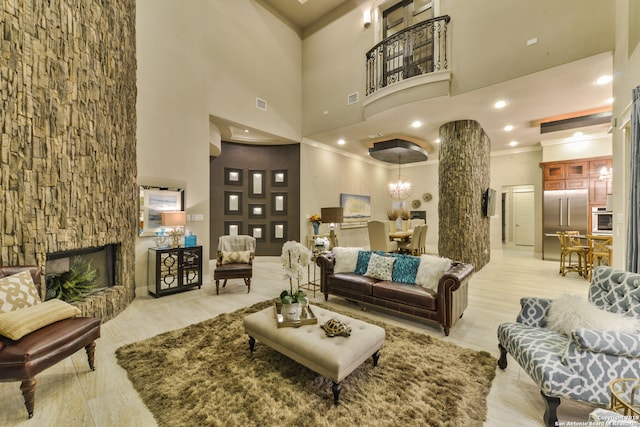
401,189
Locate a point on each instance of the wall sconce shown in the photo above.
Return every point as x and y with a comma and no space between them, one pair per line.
366,18
177,220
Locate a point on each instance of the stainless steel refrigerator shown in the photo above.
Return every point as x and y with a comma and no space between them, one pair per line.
564,210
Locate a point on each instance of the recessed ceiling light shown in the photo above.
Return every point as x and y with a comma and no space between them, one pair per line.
500,104
341,142
246,131
577,134
508,128
603,80
416,124
438,141
513,143
610,101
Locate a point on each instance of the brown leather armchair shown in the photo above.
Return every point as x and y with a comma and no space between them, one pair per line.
23,359
234,260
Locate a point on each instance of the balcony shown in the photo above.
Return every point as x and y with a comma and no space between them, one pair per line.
416,51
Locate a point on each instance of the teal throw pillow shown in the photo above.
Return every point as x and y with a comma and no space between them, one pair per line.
405,268
363,261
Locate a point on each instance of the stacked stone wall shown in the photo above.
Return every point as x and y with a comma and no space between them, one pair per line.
464,177
68,131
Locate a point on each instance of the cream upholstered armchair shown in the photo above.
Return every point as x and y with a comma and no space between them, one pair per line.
379,237
573,348
234,260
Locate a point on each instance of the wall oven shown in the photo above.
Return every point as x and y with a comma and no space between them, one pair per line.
601,221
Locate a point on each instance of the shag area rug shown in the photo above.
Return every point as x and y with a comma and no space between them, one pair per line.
205,375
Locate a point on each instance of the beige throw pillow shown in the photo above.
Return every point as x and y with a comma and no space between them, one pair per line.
431,270
570,312
16,324
239,257
346,259
18,291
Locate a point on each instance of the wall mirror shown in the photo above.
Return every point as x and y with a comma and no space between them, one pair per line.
152,202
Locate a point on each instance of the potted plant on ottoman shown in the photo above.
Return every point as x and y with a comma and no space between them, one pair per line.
295,257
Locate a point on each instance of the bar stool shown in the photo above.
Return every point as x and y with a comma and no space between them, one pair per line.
598,251
570,244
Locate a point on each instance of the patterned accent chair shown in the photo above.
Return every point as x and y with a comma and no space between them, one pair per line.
579,366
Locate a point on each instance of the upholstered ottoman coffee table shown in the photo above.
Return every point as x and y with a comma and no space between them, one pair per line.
332,357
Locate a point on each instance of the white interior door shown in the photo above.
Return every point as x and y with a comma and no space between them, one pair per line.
523,218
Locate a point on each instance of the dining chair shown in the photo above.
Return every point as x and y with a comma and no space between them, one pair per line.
422,246
598,251
412,247
415,222
379,237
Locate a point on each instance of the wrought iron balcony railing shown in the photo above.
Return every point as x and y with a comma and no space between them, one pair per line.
417,50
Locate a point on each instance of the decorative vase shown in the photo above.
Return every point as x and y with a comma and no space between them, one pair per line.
291,312
392,226
316,228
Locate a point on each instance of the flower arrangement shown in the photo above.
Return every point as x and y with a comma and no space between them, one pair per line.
315,219
295,257
404,214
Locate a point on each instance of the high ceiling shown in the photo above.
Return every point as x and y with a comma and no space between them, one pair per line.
556,93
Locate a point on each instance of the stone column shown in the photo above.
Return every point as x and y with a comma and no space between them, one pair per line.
464,177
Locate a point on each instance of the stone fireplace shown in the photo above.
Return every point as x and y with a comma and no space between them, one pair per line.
68,164
102,259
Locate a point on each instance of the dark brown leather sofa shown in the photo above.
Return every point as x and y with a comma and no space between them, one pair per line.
445,307
23,359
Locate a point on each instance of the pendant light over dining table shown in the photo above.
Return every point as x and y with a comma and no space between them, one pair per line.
398,151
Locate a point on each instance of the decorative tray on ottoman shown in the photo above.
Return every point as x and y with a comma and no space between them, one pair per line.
306,318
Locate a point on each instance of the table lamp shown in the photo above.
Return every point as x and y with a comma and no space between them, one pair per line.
332,216
177,220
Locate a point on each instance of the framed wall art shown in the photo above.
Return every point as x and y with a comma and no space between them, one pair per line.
257,210
233,203
256,183
233,228
153,201
258,231
232,176
356,210
278,178
278,231
279,203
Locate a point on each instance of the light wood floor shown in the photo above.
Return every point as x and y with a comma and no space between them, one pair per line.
69,394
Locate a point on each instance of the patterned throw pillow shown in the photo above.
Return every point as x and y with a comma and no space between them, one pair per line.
18,291
239,257
380,267
405,268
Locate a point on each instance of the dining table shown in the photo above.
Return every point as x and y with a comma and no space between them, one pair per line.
401,235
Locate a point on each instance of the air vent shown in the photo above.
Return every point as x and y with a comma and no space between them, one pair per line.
576,122
261,104
352,98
